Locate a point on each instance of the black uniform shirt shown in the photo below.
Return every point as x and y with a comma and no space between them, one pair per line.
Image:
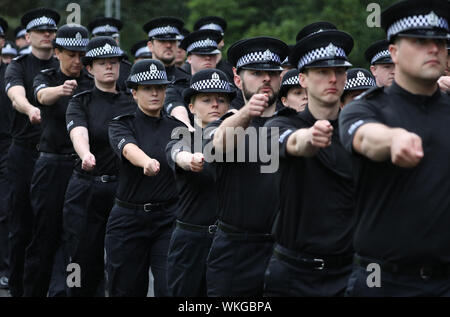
54,136
316,193
94,109
151,135
403,213
124,72
174,97
175,73
21,72
5,108
197,191
248,199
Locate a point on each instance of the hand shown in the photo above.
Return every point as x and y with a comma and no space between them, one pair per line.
257,104
88,162
34,115
197,162
444,83
321,133
68,88
151,167
406,149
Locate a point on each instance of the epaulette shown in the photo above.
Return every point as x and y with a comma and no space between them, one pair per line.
285,112
49,71
126,115
127,62
86,92
370,93
18,58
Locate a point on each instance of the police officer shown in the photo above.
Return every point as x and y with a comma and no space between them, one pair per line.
359,80
25,130
20,37
292,94
9,51
444,81
202,51
381,65
219,24
91,189
53,88
313,251
180,57
163,34
245,219
106,26
3,30
209,97
399,139
141,51
141,221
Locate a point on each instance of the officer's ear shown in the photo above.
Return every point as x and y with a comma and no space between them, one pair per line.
134,93
150,45
373,69
302,79
237,78
189,58
284,101
393,49
27,37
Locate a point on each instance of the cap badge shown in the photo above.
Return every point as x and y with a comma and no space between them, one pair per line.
331,50
167,29
45,20
153,69
107,27
433,19
215,77
107,48
78,36
360,75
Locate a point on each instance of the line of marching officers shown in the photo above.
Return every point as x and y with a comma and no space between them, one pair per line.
105,161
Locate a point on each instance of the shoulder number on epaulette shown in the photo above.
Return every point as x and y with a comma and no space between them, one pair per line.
86,92
122,116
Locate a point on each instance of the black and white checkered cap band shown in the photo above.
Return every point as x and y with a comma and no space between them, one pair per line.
148,75
21,33
382,54
163,30
142,50
417,21
258,57
9,50
105,29
202,44
212,26
211,84
71,42
359,81
319,54
104,50
41,21
291,81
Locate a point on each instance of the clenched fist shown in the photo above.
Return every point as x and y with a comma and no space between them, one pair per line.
406,149
321,133
151,167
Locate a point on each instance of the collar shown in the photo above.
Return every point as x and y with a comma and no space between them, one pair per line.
105,94
310,119
416,99
141,114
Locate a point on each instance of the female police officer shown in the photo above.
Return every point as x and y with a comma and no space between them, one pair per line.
208,97
141,221
90,193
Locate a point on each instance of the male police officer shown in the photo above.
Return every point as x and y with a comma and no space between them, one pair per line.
399,138
140,51
41,26
359,80
381,65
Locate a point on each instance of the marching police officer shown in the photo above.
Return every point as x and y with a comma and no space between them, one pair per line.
25,130
245,220
398,136
53,88
141,51
313,252
20,37
91,189
141,221
359,80
292,94
9,51
209,97
381,65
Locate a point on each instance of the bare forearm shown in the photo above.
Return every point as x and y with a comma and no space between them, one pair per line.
19,100
299,144
374,141
80,140
181,114
222,138
183,160
49,96
135,155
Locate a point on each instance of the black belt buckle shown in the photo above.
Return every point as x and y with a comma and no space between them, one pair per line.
321,263
104,178
426,272
148,207
212,229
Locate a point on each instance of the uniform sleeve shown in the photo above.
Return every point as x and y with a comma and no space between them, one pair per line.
14,75
352,117
121,133
76,115
280,128
41,81
176,146
208,136
174,98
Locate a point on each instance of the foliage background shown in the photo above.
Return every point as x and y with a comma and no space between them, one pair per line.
246,18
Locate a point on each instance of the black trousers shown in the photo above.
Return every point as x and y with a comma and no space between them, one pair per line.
284,279
236,267
85,214
5,193
136,241
48,189
21,162
186,262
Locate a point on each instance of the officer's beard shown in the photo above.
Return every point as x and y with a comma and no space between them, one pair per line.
167,61
248,95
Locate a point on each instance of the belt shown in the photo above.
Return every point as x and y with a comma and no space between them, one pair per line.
309,261
425,271
196,228
148,207
235,233
98,179
25,144
68,156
